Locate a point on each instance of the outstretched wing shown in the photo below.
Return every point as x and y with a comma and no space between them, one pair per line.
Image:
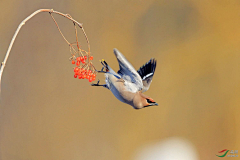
146,72
127,71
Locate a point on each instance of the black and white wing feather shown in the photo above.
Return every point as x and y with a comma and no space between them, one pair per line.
146,72
127,71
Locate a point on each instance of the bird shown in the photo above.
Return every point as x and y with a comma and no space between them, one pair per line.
128,85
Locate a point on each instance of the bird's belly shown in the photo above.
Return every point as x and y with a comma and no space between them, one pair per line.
116,93
118,88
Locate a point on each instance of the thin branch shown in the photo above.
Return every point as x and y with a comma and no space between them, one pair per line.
86,39
59,29
3,64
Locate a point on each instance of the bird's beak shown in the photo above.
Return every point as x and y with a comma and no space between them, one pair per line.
154,104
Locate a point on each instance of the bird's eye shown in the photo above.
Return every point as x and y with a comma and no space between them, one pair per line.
150,100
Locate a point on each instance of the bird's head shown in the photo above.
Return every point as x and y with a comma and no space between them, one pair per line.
142,101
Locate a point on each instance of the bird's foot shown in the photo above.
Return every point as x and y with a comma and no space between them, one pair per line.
102,71
96,84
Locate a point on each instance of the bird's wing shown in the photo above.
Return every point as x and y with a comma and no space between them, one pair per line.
127,71
146,72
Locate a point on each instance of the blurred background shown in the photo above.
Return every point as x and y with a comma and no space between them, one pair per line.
47,114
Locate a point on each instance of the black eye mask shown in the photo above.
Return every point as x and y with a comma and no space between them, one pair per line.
149,101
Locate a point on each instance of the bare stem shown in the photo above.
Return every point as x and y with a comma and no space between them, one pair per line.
3,64
59,29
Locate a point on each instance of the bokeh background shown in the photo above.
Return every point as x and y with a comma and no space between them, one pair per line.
47,114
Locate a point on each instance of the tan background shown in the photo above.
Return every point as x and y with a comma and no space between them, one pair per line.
47,114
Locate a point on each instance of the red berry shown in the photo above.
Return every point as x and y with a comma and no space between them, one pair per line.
80,76
73,62
75,76
88,77
94,75
91,58
81,58
90,80
76,69
85,57
93,78
84,76
83,61
78,63
78,58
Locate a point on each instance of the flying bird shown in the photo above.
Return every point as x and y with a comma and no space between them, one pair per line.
127,84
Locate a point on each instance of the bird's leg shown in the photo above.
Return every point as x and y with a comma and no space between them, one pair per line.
102,71
104,66
97,84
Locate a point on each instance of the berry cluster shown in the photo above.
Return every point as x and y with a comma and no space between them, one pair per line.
84,70
84,74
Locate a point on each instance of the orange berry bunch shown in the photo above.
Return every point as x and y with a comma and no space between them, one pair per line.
84,74
83,69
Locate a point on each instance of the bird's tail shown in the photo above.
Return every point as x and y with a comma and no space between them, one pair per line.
109,69
104,63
